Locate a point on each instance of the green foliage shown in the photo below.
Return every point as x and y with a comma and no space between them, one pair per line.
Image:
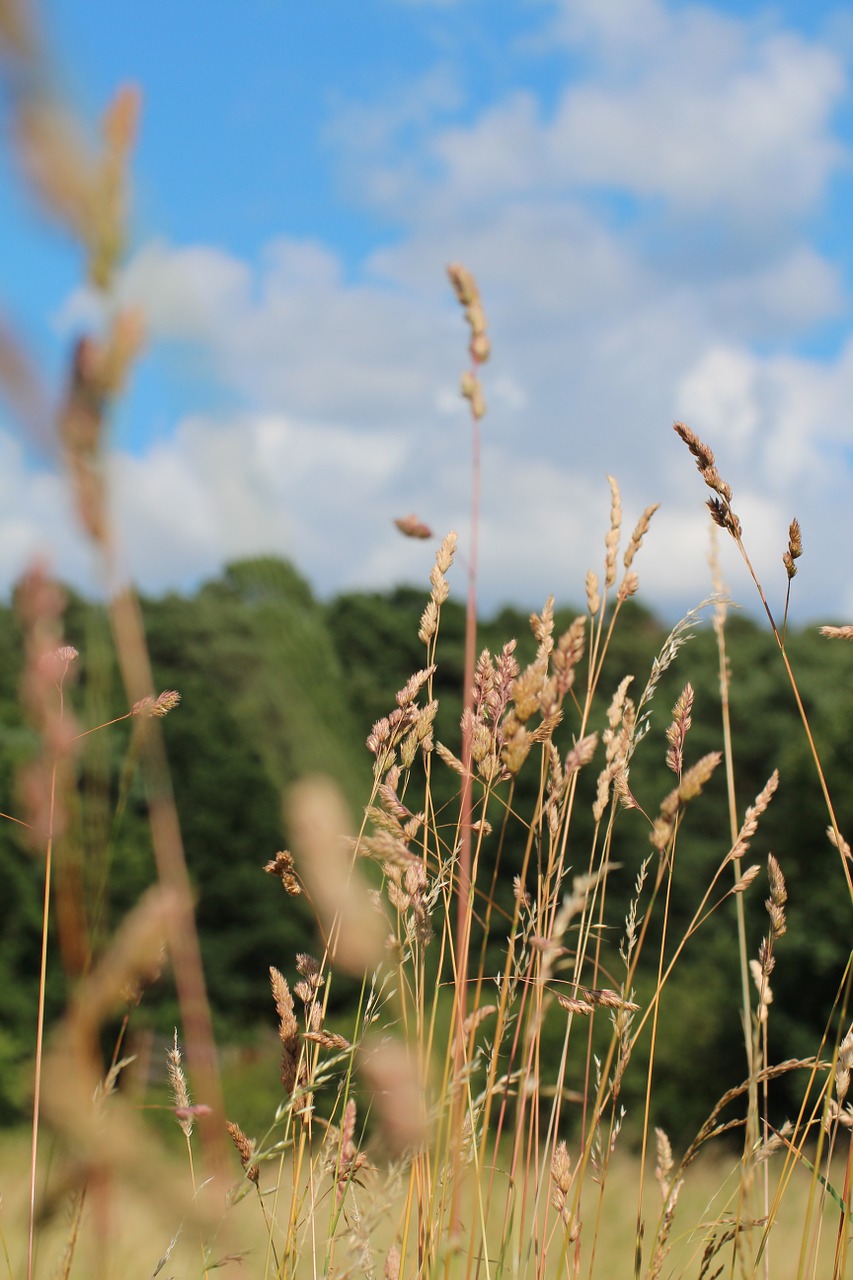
276,686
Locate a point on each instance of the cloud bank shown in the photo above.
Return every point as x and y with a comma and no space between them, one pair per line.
645,241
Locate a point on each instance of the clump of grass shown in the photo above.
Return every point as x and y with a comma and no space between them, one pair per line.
432,1135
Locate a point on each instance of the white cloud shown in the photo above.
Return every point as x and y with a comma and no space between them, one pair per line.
715,116
607,322
783,418
37,522
747,140
250,485
291,335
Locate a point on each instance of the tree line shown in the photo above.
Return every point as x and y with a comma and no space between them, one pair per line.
276,684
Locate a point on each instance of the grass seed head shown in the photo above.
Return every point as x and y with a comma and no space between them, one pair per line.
775,904
837,633
288,1030
795,549
245,1150
178,1084
593,599
640,530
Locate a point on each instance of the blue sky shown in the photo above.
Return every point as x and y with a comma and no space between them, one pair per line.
655,198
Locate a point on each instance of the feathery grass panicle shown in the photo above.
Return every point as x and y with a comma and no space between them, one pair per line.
561,1176
837,839
795,549
411,527
468,296
697,776
689,787
683,630
611,541
349,1159
640,530
745,880
568,652
156,707
617,738
664,1166
288,1031
327,1040
593,599
245,1150
837,633
720,507
606,998
775,904
392,1263
284,867
843,1066
632,923
705,460
413,686
439,588
753,813
178,1083
678,730
572,1004
580,755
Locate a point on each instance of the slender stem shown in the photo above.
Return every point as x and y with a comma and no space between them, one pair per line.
463,880
463,904
48,865
39,1048
804,719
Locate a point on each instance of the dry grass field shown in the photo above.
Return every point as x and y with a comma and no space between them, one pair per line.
425,1140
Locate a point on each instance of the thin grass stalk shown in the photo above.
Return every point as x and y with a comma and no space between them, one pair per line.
468,295
644,1146
832,1079
725,517
804,719
40,1037
842,1239
752,1126
39,1059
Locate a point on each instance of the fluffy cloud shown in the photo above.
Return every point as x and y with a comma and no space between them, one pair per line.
712,115
707,111
642,245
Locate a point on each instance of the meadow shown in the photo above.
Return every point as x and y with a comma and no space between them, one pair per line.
467,1064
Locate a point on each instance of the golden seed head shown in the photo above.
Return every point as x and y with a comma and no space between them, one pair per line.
703,455
245,1149
156,707
464,284
561,1168
775,904
283,866
411,527
639,533
178,1084
593,599
480,348
571,1005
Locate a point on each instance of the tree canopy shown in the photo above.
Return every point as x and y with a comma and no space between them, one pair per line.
276,685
